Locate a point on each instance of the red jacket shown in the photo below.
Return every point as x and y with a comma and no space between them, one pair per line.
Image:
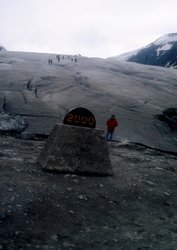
111,124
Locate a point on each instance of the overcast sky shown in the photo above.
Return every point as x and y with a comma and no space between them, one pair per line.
100,28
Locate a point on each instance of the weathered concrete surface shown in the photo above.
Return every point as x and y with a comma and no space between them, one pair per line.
76,150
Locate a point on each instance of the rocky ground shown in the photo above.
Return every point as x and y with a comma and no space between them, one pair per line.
134,209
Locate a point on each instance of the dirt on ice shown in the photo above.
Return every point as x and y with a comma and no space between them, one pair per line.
134,209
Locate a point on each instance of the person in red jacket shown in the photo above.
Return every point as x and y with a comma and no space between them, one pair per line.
111,123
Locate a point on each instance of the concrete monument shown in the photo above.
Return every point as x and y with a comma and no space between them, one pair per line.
76,149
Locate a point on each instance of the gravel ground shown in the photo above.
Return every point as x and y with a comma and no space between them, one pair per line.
134,209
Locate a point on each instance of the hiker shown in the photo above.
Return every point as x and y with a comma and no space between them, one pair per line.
50,61
58,57
111,123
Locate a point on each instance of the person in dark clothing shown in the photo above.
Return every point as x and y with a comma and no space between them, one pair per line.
50,61
58,57
111,123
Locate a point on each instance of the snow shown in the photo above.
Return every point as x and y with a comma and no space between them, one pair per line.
134,93
5,66
126,56
168,38
164,43
166,46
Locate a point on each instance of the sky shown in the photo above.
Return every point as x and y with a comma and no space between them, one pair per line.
93,28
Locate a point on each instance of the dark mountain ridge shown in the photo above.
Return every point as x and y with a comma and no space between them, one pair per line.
162,52
2,48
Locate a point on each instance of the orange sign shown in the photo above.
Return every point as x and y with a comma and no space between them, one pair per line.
80,117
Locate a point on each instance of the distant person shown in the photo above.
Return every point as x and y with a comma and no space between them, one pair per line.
35,92
58,57
50,61
111,123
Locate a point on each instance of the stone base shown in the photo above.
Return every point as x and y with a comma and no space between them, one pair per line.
77,150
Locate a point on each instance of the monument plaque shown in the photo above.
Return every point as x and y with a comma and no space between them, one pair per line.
80,117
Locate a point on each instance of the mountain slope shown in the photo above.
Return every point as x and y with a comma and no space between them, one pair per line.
42,94
162,52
